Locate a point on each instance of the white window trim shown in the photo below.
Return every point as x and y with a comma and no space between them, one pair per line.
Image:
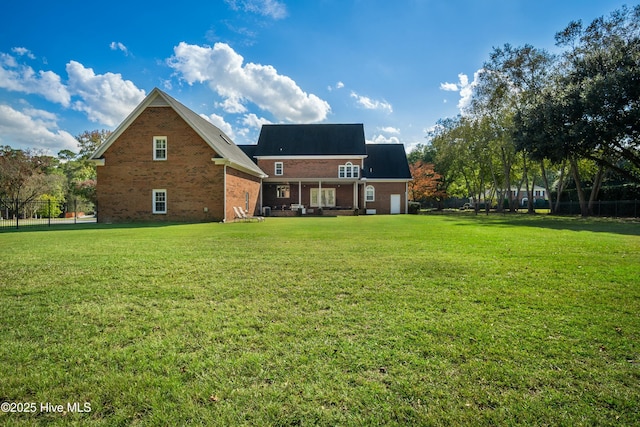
348,171
282,192
278,166
153,201
156,139
313,201
366,194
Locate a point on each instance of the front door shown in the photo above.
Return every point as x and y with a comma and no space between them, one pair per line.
395,203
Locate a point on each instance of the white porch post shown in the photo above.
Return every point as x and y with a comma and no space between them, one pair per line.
299,193
319,194
355,195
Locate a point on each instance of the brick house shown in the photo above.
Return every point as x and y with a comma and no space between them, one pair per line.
330,166
166,163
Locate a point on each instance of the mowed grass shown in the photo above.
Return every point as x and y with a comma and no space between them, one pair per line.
395,320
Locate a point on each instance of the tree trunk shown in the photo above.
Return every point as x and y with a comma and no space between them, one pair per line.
499,195
597,182
543,170
584,210
560,185
529,191
507,178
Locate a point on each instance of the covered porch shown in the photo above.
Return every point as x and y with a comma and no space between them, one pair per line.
311,197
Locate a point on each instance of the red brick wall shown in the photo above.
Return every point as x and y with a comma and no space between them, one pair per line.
306,168
193,182
238,185
384,190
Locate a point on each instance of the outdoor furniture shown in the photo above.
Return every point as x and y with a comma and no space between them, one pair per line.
249,217
238,214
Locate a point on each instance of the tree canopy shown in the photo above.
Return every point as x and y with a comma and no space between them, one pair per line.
533,114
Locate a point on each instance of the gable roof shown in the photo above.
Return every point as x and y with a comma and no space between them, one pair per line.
249,150
311,140
212,135
386,161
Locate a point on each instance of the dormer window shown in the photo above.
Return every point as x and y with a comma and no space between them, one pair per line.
159,148
348,170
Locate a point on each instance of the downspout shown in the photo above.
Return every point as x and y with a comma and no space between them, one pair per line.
406,197
224,199
260,209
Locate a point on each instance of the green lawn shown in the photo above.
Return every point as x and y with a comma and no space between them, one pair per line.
396,320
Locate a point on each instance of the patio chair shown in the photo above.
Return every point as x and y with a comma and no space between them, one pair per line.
239,214
250,217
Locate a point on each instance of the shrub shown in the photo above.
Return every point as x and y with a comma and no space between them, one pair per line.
414,208
49,207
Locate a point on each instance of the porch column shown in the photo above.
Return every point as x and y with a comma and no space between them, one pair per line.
319,194
355,195
299,192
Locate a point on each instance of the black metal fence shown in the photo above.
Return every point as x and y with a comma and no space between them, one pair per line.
15,214
614,208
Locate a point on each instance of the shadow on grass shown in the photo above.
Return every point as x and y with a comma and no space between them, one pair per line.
88,226
625,226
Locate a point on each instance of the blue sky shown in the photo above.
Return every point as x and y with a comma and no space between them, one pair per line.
396,66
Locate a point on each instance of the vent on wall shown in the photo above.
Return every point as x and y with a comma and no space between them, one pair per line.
158,102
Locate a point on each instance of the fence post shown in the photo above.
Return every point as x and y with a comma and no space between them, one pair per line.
49,209
16,205
75,211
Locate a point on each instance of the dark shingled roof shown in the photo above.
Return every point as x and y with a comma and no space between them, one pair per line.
249,150
386,161
311,140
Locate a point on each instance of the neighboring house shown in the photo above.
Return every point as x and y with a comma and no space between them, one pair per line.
539,194
520,195
166,163
330,167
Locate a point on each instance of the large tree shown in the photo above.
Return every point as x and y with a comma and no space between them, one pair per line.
602,80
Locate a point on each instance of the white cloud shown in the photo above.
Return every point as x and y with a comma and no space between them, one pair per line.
119,46
449,86
270,8
219,121
32,128
464,88
337,86
225,72
22,78
381,139
390,129
371,104
105,98
23,51
253,121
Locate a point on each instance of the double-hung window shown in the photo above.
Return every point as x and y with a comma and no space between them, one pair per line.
159,148
159,201
369,194
283,191
279,168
